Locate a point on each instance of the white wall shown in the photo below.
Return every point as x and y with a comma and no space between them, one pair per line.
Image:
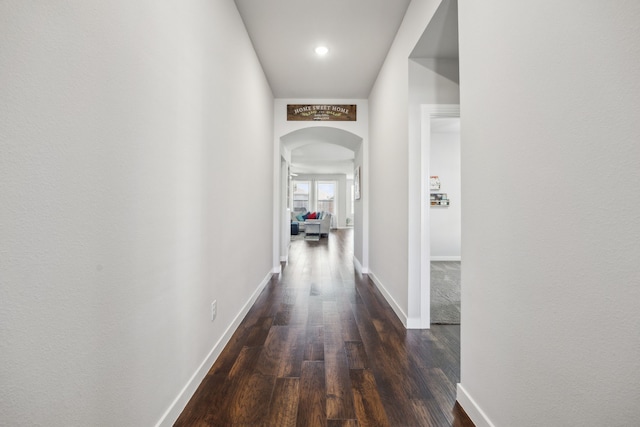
445,222
360,247
350,201
283,205
395,164
122,214
427,86
550,100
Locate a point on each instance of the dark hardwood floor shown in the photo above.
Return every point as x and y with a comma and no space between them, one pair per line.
321,347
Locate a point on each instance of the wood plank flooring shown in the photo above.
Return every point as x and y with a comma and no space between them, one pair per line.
321,347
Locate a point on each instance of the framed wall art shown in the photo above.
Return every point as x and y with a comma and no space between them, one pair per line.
434,183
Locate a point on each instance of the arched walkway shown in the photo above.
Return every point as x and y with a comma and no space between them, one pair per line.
315,134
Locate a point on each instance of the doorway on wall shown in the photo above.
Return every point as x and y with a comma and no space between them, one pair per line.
321,162
445,220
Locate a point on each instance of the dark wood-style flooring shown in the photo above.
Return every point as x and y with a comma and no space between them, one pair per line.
321,347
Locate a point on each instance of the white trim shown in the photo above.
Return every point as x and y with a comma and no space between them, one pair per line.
446,258
441,110
277,269
277,213
425,220
472,409
416,323
392,302
423,255
180,402
414,214
359,268
364,199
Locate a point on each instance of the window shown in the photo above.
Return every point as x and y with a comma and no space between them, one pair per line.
326,196
301,199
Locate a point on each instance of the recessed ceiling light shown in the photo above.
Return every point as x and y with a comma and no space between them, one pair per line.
322,50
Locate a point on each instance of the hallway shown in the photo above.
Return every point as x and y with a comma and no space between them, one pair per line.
321,347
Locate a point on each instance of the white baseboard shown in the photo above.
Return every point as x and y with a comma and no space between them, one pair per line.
359,268
177,406
416,323
472,409
446,258
394,305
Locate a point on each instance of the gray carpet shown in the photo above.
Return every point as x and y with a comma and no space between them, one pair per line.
445,292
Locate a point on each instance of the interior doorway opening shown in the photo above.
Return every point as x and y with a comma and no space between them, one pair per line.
420,247
445,219
321,162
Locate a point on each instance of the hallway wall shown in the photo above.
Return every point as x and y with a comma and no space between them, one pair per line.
550,102
361,218
389,207
122,128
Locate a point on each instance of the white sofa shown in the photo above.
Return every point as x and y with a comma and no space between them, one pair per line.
325,223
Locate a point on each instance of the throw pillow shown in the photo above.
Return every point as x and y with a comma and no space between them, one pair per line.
300,218
312,216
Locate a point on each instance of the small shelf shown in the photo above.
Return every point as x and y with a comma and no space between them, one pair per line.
439,200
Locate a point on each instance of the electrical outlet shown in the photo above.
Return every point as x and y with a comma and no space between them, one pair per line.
214,309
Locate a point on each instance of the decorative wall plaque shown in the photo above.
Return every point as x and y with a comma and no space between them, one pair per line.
331,112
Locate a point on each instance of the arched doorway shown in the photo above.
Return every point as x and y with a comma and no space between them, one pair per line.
312,152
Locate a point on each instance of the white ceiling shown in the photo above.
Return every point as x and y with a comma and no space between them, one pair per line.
358,34
322,158
321,134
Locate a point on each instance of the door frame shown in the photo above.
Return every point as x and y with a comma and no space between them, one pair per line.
422,271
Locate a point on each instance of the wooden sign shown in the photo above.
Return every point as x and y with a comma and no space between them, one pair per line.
332,112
